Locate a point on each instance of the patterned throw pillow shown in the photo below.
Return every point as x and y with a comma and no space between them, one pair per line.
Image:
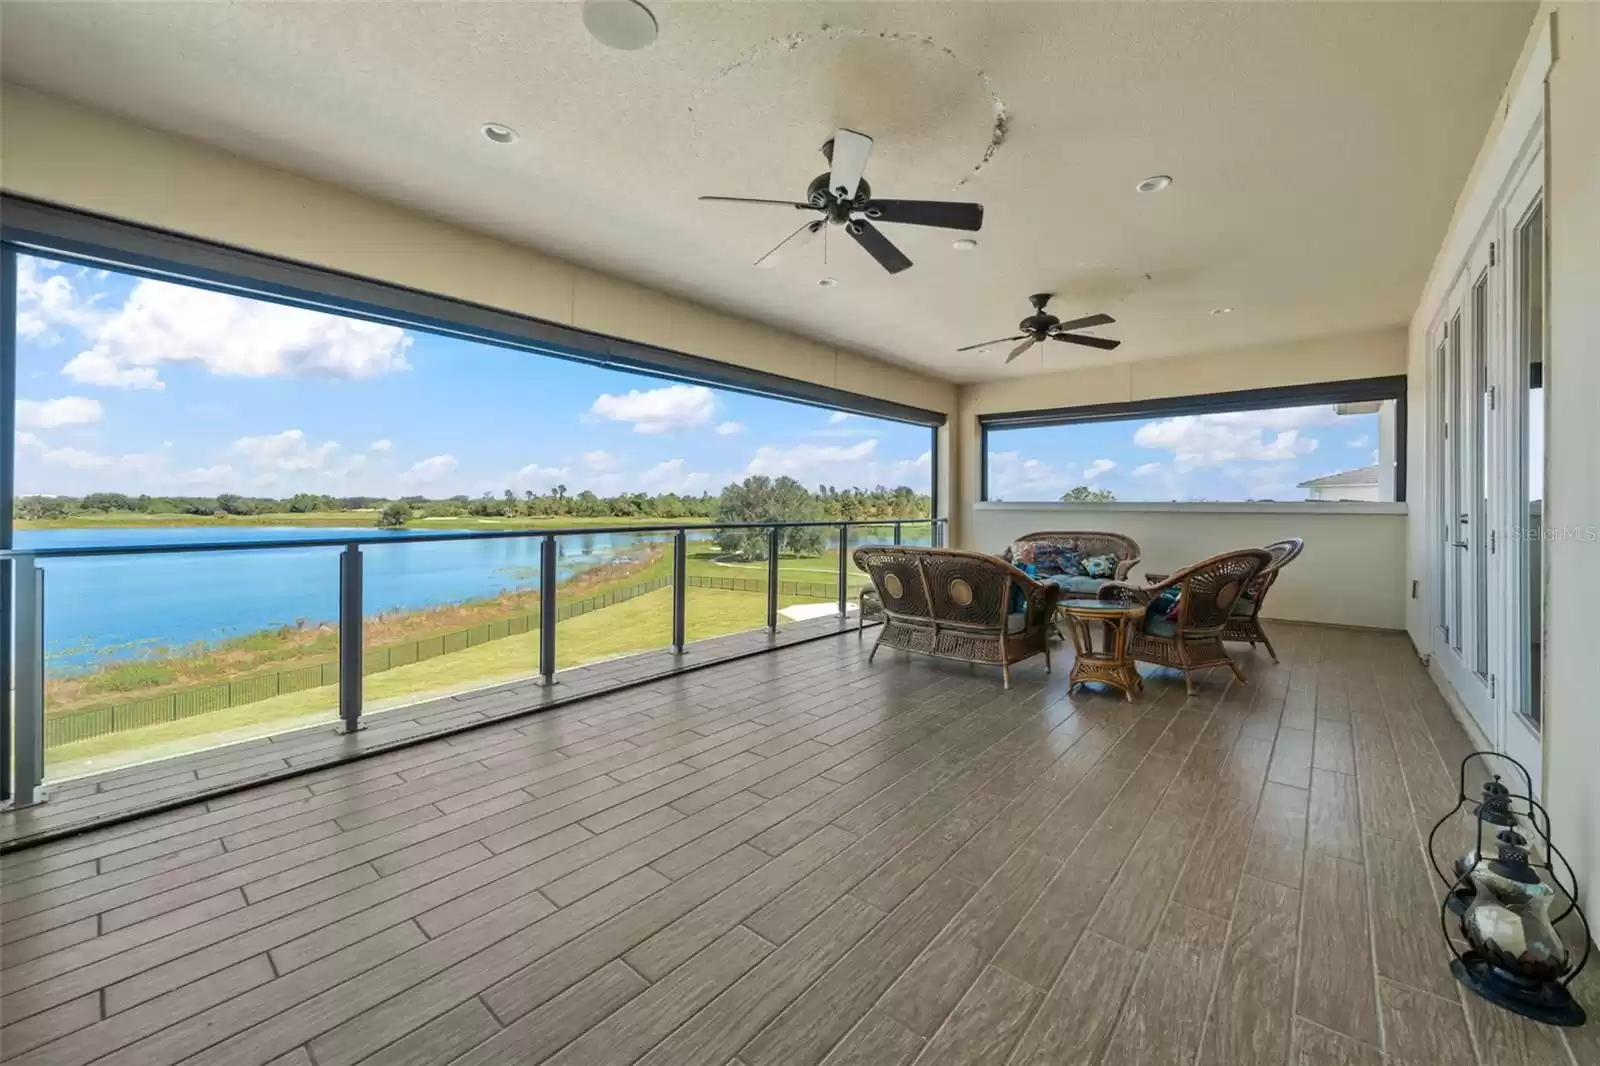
1021,552
1104,566
1054,559
1165,605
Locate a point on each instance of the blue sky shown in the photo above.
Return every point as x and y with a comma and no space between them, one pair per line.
1237,456
139,386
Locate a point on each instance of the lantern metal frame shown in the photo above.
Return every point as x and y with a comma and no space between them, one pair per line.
1547,1001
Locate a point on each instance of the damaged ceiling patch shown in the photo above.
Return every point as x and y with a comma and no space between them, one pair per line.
859,104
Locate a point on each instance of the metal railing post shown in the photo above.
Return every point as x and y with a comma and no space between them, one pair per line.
350,609
547,610
936,533
773,535
28,751
680,581
844,570
897,534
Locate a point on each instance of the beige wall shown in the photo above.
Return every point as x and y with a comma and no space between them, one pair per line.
1365,540
55,150
1342,358
1571,737
1572,733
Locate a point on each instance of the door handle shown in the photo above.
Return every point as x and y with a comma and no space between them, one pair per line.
1461,544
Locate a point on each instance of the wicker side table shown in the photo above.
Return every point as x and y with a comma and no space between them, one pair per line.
1112,665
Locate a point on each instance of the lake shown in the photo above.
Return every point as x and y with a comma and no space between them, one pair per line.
120,606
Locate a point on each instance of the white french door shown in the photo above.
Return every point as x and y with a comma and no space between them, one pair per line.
1463,351
1487,435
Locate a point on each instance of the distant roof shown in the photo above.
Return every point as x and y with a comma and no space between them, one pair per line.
1366,475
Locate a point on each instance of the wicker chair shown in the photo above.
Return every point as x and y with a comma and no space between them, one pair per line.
1206,594
956,605
1244,623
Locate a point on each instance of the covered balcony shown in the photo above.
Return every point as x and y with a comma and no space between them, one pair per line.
755,667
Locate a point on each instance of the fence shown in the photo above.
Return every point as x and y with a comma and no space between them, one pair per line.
815,589
67,727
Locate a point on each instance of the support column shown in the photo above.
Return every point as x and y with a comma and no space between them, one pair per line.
773,536
547,610
28,676
350,610
680,581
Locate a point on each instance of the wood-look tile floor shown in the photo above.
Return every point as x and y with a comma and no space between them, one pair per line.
801,859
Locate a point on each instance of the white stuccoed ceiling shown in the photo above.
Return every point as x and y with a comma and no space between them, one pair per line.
1317,149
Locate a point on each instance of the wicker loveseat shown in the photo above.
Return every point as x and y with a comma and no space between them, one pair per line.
1087,544
959,605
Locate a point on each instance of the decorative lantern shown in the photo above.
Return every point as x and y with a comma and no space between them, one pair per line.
1516,959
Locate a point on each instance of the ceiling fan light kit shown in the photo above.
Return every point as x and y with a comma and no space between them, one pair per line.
1042,326
845,200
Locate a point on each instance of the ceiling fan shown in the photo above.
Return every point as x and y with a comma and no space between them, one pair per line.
1041,326
845,199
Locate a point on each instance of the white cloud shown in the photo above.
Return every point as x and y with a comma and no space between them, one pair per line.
1011,477
28,442
1362,441
839,416
206,475
66,411
539,478
806,461
76,459
670,476
671,409
285,452
165,323
600,461
380,446
430,470
1098,467
46,301
1206,440
1146,469
728,429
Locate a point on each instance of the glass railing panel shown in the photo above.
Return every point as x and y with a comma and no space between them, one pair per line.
613,595
442,618
153,656
726,583
808,575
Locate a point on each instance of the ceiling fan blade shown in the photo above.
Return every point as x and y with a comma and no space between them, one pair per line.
798,239
946,214
748,200
1019,349
878,246
1086,340
1088,322
850,152
991,344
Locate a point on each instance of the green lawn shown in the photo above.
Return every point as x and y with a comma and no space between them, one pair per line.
640,624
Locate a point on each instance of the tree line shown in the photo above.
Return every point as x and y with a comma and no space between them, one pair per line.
755,499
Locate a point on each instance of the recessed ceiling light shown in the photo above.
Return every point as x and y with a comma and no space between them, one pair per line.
1155,183
624,24
499,133
963,244
1222,310
827,283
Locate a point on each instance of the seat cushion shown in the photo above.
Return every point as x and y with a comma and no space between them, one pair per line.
1243,607
1079,585
1016,622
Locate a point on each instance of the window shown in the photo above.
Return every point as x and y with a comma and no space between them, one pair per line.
161,403
1322,443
